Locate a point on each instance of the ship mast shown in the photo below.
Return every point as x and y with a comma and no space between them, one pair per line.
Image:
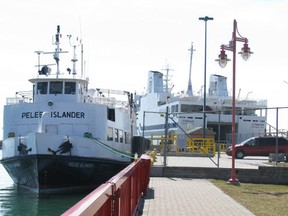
74,44
166,79
189,90
56,53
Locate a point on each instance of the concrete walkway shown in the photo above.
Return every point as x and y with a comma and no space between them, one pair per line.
181,197
223,160
176,196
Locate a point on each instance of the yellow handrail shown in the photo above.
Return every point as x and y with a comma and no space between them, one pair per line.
193,145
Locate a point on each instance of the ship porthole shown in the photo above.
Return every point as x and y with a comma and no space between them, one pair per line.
50,103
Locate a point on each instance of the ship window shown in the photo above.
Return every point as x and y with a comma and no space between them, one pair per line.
42,87
56,87
110,134
186,108
116,135
174,108
190,108
111,114
127,137
283,141
70,88
121,136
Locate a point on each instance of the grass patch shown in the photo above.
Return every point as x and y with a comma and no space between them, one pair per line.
260,199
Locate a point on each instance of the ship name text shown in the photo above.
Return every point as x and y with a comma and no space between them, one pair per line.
53,114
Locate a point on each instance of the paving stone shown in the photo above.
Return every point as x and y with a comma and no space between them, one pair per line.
177,196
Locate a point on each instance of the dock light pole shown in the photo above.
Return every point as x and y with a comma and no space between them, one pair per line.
206,18
222,60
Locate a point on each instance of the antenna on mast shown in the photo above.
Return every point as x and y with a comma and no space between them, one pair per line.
189,90
38,53
166,79
76,43
57,50
45,70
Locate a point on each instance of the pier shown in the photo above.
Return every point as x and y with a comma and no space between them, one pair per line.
180,188
178,196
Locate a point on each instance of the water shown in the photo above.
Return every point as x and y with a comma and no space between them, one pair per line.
16,201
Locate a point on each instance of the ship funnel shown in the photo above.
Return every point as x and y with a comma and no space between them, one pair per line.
155,82
218,86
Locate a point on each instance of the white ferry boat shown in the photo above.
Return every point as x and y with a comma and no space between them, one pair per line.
185,110
64,136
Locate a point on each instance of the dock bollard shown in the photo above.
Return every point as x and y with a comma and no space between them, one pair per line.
153,156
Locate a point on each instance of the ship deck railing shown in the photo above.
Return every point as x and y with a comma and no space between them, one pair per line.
111,102
18,100
258,103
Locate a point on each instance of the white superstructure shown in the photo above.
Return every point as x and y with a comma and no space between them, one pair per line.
186,110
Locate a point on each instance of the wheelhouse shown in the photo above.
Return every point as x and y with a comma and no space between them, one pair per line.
68,90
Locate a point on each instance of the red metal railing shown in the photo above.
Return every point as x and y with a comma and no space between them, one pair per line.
119,196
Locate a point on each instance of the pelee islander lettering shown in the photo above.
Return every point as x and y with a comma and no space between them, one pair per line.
54,114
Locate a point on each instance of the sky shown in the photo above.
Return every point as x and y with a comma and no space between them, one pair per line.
123,40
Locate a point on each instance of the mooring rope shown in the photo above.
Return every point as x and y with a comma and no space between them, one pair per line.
111,149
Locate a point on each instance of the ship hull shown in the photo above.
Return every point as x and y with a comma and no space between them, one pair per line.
58,174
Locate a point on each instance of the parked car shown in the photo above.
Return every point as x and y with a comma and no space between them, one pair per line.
259,146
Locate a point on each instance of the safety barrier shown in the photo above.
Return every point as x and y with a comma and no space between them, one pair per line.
223,147
193,145
201,145
120,195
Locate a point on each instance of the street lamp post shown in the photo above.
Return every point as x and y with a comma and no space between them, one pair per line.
245,53
206,18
